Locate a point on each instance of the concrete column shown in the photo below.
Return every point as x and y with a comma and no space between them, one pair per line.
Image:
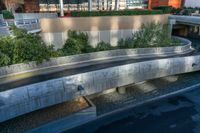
116,5
121,90
149,4
171,22
61,8
89,5
199,31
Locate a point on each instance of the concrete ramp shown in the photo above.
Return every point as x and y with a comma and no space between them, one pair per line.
190,20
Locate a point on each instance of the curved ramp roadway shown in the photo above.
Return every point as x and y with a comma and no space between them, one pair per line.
6,83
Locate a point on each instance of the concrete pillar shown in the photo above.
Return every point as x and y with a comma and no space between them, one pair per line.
89,5
116,5
149,4
171,22
121,90
61,8
199,31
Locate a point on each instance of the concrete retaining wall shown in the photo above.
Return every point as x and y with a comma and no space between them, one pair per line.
58,39
28,98
109,28
84,58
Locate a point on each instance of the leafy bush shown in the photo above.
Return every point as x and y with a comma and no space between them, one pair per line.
102,46
165,9
150,35
126,43
185,10
7,14
4,59
23,47
76,43
114,13
176,10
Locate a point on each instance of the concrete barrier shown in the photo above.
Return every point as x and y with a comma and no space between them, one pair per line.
96,56
54,31
21,100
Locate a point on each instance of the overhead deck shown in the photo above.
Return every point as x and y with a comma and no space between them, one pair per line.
189,20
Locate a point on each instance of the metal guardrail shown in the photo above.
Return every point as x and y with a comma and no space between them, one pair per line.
186,19
31,25
28,21
1,16
20,16
3,23
4,29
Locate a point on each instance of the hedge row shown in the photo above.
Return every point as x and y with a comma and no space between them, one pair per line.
165,9
114,13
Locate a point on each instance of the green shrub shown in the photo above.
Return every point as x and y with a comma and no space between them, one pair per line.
76,43
176,10
114,13
7,14
185,10
165,9
4,60
150,35
72,47
7,46
102,46
23,47
126,43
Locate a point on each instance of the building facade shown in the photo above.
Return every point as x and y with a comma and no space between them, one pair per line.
31,6
173,3
85,5
53,5
192,3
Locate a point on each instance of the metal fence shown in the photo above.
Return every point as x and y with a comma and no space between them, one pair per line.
28,24
4,31
1,16
24,16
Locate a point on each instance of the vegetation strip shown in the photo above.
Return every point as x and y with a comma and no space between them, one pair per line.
23,47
